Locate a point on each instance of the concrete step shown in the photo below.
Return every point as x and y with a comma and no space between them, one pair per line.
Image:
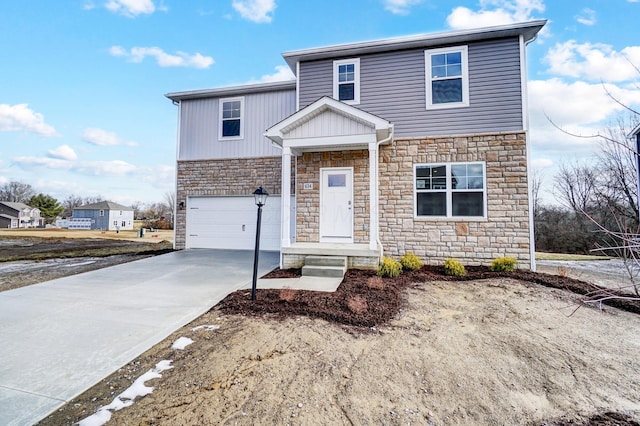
325,261
323,271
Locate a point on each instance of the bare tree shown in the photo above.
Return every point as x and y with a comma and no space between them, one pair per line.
16,192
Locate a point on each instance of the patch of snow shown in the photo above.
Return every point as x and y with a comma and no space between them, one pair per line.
181,343
126,398
207,327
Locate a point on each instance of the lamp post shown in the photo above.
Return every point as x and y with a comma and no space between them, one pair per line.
261,198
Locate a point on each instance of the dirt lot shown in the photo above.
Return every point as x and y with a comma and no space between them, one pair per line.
32,256
496,350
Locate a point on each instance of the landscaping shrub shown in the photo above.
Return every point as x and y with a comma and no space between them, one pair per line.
503,264
411,262
454,267
389,267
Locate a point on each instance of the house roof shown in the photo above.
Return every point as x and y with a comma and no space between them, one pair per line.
371,128
528,30
103,205
634,132
233,90
6,216
16,206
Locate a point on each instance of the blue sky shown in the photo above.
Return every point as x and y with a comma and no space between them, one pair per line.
82,82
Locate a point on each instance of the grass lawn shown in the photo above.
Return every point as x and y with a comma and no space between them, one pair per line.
563,256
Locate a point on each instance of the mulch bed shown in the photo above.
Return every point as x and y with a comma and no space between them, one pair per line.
365,300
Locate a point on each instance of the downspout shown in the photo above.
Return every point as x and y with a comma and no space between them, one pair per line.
525,119
385,140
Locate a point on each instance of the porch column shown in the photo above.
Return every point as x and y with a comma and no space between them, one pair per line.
285,225
373,195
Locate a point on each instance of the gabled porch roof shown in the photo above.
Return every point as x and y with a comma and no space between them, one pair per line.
329,124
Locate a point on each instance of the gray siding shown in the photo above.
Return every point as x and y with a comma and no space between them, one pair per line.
199,127
392,86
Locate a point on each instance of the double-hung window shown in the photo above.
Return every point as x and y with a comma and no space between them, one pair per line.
450,190
346,80
447,75
231,118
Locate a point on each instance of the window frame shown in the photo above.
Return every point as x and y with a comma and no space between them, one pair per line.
449,191
356,80
464,51
221,103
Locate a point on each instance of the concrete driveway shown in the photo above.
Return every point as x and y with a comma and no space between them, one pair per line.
59,338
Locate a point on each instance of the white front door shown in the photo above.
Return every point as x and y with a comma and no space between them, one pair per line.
336,205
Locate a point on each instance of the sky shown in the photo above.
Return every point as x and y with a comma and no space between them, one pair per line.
82,82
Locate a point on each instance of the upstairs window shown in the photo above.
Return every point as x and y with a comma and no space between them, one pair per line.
346,81
447,77
450,190
231,116
101,212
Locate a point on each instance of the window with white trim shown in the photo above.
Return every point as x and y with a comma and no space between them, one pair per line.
450,190
346,80
101,212
447,74
231,118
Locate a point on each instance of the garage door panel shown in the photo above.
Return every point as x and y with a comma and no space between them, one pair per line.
230,223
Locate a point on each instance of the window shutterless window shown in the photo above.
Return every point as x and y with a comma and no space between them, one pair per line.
346,80
231,118
450,190
447,74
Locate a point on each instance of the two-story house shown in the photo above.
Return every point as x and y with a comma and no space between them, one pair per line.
105,215
19,215
414,144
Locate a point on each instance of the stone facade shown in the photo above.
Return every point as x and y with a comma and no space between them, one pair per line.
505,231
237,176
308,201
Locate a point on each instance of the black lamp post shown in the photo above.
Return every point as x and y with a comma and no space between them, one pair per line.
261,198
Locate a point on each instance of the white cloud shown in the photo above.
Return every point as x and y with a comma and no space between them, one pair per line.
88,5
282,73
104,138
399,7
131,8
21,118
180,59
494,12
259,11
594,62
541,163
63,152
587,16
90,168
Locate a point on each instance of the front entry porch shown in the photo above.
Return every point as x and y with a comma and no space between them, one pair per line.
359,256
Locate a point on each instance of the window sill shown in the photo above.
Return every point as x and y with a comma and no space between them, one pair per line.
450,219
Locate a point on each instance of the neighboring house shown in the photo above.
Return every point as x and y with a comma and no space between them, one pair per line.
414,144
19,215
104,215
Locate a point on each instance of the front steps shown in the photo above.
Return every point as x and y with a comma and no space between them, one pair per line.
324,266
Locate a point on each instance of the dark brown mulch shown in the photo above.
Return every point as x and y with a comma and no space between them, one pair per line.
345,306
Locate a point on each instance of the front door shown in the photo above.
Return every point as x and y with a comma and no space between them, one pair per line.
336,205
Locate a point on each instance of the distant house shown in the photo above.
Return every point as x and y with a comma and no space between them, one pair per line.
103,215
19,215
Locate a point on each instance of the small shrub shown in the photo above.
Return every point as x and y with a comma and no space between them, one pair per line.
375,283
411,262
454,267
389,267
357,304
287,294
503,264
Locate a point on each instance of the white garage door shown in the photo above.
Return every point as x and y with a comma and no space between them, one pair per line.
230,223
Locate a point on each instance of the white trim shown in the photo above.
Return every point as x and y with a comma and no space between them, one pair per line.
345,240
334,141
297,85
356,80
464,77
449,191
221,102
525,125
373,196
285,212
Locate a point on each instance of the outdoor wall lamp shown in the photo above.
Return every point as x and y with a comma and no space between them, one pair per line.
260,196
181,205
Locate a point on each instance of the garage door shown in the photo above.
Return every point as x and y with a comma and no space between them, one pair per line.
230,223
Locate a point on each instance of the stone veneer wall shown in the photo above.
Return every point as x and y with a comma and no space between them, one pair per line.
505,232
235,176
308,200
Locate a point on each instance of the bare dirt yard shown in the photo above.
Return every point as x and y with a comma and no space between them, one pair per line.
32,256
425,349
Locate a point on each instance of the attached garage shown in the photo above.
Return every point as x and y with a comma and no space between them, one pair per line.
230,223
